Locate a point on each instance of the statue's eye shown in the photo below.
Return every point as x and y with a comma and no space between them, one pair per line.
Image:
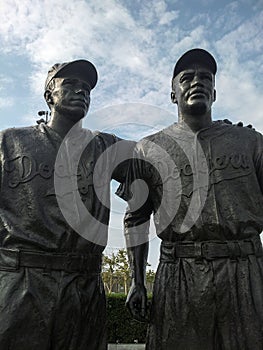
206,77
185,78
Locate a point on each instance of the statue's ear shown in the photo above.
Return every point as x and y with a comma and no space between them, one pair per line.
214,95
48,97
173,97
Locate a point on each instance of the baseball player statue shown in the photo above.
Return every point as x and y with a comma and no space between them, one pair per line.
203,183
51,293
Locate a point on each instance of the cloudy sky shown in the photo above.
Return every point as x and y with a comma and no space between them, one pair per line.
134,45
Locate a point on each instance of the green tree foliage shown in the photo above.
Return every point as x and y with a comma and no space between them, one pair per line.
150,276
116,273
123,269
122,328
109,272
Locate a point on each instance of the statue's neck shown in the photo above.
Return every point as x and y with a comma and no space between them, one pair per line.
195,122
61,124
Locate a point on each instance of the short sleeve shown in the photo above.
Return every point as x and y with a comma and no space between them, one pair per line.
136,192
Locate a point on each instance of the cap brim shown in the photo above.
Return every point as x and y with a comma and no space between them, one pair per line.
82,69
198,56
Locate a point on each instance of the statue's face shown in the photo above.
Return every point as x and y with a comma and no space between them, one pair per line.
71,97
194,90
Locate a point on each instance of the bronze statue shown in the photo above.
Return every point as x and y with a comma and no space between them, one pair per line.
205,189
51,293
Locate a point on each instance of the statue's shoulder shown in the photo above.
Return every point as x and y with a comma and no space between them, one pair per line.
154,136
160,136
110,139
18,132
237,127
100,135
240,129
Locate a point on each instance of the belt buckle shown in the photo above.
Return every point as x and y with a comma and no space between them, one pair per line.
233,250
242,249
202,252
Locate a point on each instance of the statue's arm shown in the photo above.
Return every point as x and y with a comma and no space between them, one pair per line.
136,233
137,297
136,226
122,159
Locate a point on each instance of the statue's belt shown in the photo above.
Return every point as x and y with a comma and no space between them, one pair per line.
12,260
211,250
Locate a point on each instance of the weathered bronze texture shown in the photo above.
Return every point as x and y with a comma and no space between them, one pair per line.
205,182
51,293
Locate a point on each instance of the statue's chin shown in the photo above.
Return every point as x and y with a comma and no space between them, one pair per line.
74,114
198,109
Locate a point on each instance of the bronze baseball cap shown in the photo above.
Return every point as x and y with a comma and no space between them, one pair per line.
82,69
190,57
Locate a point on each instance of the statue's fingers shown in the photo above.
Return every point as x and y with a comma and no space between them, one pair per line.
250,126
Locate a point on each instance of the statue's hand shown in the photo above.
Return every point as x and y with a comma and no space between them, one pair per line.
136,302
250,126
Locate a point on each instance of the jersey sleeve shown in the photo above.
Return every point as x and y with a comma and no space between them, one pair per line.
123,156
135,191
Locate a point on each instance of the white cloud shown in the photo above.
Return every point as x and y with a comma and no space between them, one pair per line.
239,81
135,51
243,41
169,17
55,31
239,98
156,12
6,102
5,80
132,118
